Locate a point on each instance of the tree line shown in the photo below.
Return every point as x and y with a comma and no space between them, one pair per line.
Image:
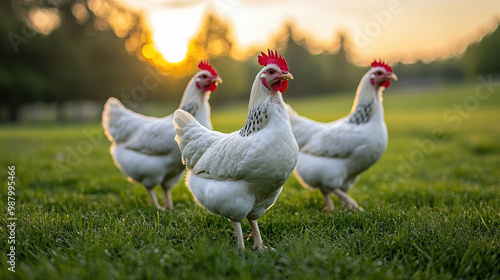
86,58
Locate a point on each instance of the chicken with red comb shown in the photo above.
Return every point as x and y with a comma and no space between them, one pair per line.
240,175
211,86
144,148
333,155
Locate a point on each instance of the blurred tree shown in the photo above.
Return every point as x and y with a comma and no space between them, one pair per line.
321,73
484,56
302,66
344,75
19,83
214,41
82,56
435,72
214,38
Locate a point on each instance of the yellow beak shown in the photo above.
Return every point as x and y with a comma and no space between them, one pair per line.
217,79
287,75
392,77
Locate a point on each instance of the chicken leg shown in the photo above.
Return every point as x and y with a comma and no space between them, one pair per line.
153,199
239,234
169,205
328,200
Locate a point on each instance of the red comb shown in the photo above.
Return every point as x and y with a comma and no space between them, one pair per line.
381,64
204,65
273,58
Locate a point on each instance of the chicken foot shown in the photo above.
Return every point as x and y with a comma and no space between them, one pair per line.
256,236
345,198
328,200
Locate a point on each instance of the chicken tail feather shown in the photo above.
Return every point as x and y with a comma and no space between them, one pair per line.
181,119
113,110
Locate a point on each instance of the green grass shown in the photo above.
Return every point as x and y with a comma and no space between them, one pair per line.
431,212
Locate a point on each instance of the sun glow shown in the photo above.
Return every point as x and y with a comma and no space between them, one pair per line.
171,51
374,31
172,31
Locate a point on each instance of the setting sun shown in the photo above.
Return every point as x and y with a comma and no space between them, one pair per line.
376,30
173,52
172,30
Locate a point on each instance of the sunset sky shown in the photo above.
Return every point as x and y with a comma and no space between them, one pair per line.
396,30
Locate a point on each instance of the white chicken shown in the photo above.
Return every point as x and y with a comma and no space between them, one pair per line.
240,175
333,155
144,147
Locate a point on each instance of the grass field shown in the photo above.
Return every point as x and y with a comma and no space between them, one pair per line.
432,204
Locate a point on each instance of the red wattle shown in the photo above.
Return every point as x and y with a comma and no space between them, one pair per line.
385,84
277,85
284,86
210,87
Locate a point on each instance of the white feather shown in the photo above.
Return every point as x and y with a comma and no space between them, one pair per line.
333,155
236,175
144,147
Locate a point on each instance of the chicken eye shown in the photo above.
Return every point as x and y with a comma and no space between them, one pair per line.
204,76
379,73
271,72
